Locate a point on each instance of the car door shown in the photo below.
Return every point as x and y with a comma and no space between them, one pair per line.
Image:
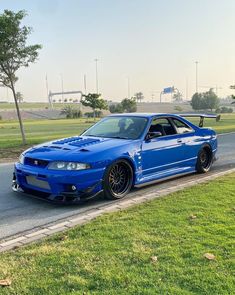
162,155
189,140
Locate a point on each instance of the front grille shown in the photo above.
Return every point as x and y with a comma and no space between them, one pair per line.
35,162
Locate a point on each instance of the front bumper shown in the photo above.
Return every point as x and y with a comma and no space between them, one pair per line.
58,186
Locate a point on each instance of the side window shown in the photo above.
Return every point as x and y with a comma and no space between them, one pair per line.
162,125
181,126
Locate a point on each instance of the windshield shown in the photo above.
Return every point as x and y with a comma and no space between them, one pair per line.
118,127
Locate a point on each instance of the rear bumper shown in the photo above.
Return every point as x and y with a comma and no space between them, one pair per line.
58,186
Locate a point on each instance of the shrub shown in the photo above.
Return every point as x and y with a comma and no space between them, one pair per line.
98,114
71,113
178,108
218,118
223,110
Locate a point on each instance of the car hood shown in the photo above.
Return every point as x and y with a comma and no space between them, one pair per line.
79,148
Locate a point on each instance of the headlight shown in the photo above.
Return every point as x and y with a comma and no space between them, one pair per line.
68,166
21,159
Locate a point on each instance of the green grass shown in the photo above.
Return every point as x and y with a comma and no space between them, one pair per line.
226,124
38,131
112,254
41,130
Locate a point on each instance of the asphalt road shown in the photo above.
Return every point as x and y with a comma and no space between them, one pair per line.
19,212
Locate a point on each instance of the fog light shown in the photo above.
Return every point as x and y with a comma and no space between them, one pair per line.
73,187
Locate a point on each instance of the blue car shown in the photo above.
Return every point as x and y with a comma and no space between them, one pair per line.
117,153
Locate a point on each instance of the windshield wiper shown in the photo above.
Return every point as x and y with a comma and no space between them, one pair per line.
103,136
119,137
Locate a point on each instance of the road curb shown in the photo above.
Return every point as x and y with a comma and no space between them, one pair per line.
50,229
6,164
226,133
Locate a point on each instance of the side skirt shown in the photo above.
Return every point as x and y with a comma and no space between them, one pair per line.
164,178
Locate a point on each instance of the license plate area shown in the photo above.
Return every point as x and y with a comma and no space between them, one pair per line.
32,180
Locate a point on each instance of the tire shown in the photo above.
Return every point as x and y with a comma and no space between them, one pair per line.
204,160
118,180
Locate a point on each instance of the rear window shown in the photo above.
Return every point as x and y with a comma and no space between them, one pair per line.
181,126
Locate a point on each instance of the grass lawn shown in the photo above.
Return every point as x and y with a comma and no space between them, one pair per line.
226,124
112,254
38,131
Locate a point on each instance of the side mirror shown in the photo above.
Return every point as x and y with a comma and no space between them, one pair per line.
151,135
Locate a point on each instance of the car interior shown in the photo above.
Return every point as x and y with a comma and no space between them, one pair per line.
165,127
162,125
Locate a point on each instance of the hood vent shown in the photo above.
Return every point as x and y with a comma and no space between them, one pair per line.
56,147
78,141
83,150
67,140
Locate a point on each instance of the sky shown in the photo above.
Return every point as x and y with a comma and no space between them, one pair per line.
153,44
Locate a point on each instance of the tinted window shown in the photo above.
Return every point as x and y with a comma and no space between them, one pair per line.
181,126
162,125
118,127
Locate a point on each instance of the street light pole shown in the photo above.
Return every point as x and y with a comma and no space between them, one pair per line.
85,84
62,86
48,97
96,73
186,89
196,62
128,87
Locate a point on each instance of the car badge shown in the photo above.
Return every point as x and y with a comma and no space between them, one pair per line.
35,162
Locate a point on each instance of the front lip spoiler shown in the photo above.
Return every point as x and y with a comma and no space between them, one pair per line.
65,198
15,186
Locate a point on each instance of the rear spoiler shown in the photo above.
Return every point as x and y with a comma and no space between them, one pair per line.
201,116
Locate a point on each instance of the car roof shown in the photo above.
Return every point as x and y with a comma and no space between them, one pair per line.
145,115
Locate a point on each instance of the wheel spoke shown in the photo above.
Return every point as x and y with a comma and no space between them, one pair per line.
204,159
119,178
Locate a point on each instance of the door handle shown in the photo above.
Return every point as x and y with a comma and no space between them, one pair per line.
179,140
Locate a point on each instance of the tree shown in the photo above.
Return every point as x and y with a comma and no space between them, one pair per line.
129,105
19,97
177,96
196,101
94,101
211,100
233,96
116,108
203,101
139,96
14,53
126,105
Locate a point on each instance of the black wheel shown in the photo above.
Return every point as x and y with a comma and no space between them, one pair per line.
118,180
204,160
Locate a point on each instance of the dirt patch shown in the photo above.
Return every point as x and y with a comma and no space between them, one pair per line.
11,154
